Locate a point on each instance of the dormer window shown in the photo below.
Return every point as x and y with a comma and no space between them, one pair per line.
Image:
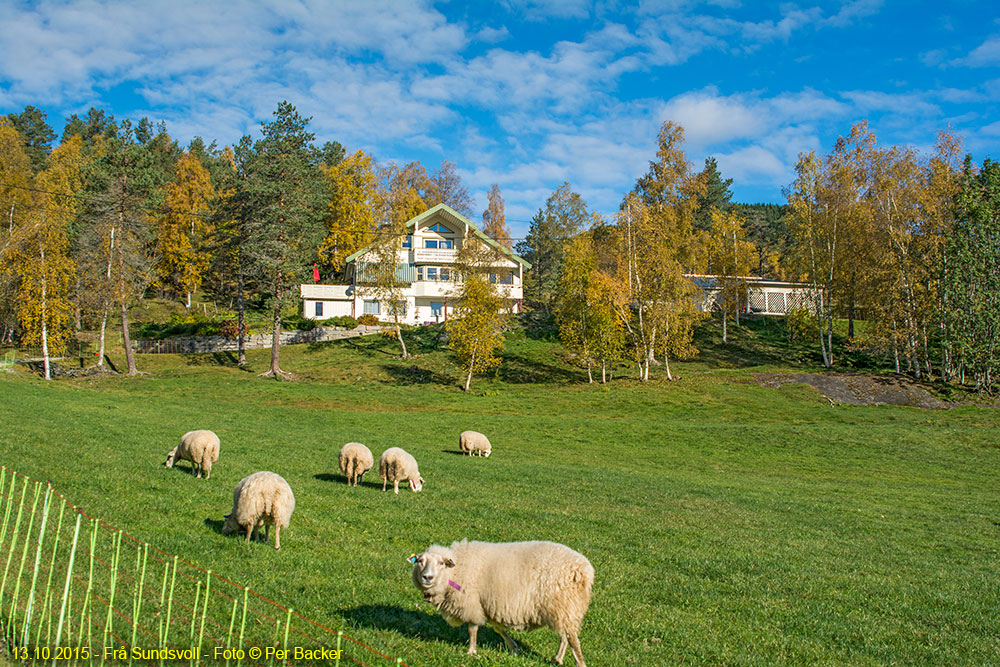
440,229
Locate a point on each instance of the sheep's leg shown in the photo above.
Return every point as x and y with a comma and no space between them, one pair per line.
563,643
277,533
384,480
473,632
395,487
250,529
267,533
507,641
206,467
574,644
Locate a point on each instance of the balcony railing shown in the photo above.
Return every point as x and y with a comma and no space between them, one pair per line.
421,255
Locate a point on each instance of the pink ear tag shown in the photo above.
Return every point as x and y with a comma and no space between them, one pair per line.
454,585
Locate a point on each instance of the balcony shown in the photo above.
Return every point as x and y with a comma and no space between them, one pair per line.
327,292
434,288
438,255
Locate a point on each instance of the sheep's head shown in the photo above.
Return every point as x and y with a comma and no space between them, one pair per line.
430,570
170,458
230,526
417,484
489,450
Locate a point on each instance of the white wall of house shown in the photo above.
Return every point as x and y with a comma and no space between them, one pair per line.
431,248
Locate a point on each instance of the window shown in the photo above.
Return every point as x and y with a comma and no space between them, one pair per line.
493,277
431,272
408,241
371,308
445,273
507,279
319,309
430,243
435,309
440,244
440,229
420,273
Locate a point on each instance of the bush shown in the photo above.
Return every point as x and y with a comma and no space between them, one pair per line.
368,320
801,325
342,321
297,322
230,330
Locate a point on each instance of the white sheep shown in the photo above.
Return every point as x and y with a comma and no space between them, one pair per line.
261,499
355,461
396,465
516,585
472,442
201,448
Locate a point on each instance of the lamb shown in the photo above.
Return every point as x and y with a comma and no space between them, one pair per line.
516,585
396,465
201,448
261,499
355,461
471,442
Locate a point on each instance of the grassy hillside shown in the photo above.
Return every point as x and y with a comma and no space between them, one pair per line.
728,523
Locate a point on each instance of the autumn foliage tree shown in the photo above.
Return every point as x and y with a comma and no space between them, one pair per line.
731,259
475,327
185,227
354,210
495,218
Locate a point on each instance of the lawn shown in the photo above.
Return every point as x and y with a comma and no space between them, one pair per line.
728,523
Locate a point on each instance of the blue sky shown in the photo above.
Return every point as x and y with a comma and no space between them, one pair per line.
523,93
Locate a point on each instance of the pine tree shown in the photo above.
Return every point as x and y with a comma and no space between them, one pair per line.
281,199
37,134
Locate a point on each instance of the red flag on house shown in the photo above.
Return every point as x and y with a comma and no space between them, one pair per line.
315,273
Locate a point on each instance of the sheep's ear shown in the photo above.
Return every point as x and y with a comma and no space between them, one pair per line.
449,562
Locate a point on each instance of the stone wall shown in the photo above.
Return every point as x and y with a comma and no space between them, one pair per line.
207,344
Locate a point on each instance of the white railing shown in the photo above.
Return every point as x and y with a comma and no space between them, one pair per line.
421,255
326,291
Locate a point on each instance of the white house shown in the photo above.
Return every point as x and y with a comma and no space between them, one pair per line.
427,255
764,297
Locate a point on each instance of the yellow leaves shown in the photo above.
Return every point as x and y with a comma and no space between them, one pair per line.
184,227
354,208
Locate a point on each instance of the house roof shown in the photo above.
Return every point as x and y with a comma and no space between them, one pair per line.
449,212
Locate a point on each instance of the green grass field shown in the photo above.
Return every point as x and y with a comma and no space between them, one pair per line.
728,523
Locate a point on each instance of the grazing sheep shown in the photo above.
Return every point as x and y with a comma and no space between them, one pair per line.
355,461
472,442
516,585
396,465
261,499
201,448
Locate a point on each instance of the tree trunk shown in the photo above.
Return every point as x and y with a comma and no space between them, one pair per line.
275,371
126,341
590,374
240,316
666,362
399,337
724,318
604,371
104,326
45,328
189,300
468,379
77,314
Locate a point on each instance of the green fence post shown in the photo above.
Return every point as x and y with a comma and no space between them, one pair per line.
204,609
340,636
288,623
243,622
232,622
30,604
46,606
17,527
137,600
12,623
170,602
84,609
109,622
69,578
194,613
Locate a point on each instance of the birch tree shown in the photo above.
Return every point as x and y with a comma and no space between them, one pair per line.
731,259
495,218
184,228
475,328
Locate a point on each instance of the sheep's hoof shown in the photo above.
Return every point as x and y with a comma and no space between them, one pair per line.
472,651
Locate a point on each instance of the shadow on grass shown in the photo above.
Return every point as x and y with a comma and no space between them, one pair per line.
340,479
517,369
454,451
215,525
416,375
425,626
225,359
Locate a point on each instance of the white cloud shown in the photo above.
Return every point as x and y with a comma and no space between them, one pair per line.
986,54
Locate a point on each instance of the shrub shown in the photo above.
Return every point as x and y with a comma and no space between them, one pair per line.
801,325
230,330
368,320
342,321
